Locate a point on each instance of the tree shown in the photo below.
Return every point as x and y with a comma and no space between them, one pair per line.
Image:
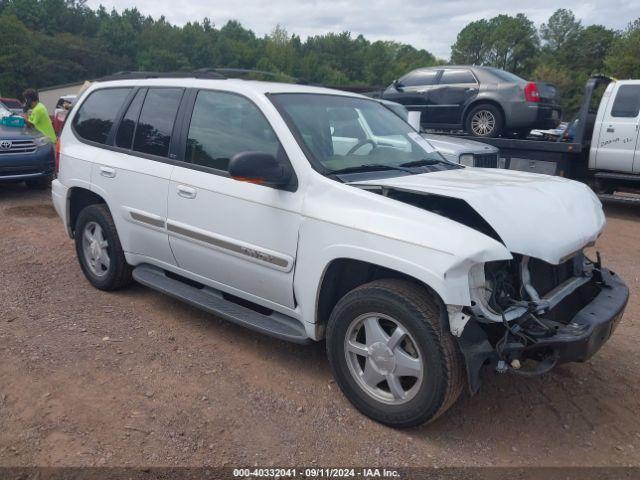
624,56
506,42
472,44
561,28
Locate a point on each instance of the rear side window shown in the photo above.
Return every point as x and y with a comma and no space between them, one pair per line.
419,77
97,113
627,102
223,124
451,77
124,137
155,125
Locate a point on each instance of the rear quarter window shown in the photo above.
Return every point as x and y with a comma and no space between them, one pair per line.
98,112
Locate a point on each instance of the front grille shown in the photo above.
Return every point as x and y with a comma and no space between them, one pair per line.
17,146
545,276
486,160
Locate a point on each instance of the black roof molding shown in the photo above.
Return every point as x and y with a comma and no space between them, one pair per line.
208,73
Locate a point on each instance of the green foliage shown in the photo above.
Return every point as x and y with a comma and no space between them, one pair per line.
624,56
48,42
506,42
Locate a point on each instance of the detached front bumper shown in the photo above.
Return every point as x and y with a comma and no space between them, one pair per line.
592,326
576,340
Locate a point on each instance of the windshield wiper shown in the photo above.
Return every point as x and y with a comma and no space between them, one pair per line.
371,167
425,162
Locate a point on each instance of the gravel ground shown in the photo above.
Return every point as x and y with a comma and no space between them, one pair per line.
89,378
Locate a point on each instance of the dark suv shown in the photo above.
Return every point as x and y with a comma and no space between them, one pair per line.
483,101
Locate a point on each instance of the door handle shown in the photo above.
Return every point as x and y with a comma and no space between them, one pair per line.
107,172
611,129
186,192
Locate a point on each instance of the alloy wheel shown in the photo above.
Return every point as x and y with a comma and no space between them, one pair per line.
384,358
95,248
483,122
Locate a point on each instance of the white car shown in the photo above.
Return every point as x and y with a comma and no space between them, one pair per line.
309,214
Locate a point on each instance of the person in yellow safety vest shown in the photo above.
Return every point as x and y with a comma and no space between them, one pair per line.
39,117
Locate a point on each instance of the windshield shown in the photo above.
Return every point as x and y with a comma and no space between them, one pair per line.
346,133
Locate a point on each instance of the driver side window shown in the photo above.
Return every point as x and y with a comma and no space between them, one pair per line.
223,124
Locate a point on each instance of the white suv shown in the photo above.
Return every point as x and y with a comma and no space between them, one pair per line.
311,214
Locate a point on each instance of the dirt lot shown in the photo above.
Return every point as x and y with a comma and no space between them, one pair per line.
136,378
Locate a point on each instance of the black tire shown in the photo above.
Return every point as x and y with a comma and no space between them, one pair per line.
419,314
40,183
492,112
118,274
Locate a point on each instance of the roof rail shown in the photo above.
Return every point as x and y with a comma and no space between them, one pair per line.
209,73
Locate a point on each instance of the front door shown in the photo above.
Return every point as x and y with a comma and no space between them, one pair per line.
619,131
240,236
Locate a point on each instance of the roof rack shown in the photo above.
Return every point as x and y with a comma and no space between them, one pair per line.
209,73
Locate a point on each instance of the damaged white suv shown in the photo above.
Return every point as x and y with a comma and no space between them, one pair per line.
309,214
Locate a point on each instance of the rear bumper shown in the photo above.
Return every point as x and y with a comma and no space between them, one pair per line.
59,194
532,115
18,167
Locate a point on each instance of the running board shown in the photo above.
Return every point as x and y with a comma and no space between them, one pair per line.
212,301
623,199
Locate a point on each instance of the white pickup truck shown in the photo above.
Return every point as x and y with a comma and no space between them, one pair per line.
601,147
308,214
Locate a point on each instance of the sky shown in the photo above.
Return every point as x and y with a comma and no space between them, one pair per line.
428,24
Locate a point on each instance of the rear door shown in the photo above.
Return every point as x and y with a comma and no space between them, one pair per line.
134,173
618,140
240,236
456,88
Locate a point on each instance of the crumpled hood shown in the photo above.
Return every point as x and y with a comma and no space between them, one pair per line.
540,216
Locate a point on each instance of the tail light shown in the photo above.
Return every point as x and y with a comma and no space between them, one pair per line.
57,155
531,93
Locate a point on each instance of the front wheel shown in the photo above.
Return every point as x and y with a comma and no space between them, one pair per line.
99,250
484,121
390,356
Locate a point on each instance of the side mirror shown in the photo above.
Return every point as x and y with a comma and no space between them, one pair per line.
397,85
260,168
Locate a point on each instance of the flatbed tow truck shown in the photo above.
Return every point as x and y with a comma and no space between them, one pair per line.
604,151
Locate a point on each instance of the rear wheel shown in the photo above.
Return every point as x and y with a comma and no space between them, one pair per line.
484,120
99,250
390,355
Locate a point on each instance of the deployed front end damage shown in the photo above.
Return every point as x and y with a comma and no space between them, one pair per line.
526,309
547,303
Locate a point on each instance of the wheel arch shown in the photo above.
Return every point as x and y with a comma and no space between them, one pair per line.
342,275
79,198
480,101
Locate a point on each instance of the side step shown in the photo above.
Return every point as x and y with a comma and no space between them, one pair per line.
623,199
627,177
212,301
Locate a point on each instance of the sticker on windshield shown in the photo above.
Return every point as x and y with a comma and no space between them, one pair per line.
416,137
